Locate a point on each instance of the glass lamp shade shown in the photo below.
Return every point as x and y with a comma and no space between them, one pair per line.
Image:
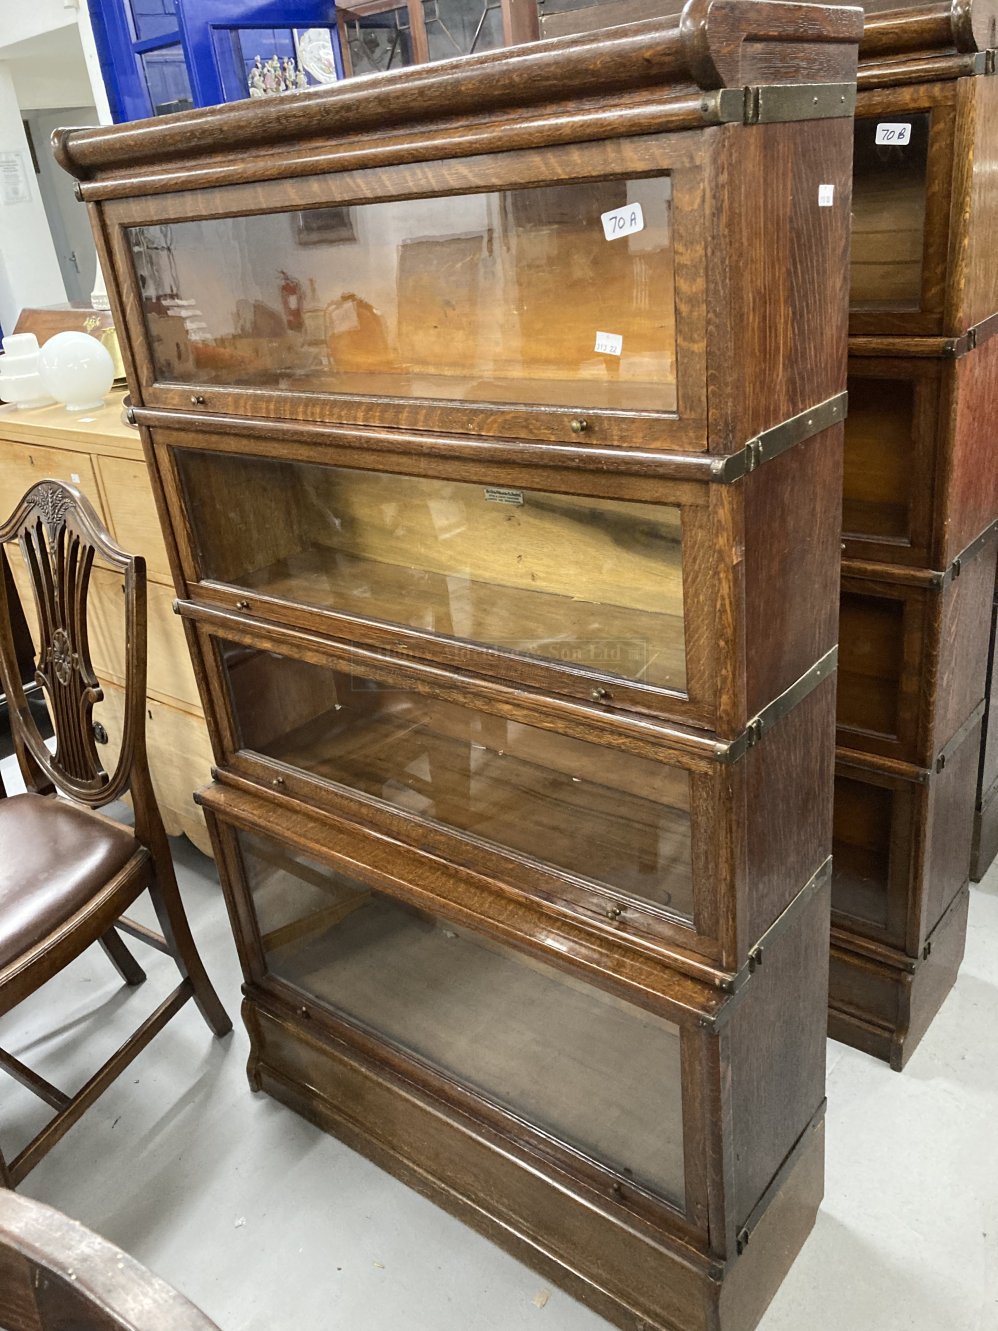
76,369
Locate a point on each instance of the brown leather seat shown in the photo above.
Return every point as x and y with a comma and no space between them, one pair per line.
54,858
67,874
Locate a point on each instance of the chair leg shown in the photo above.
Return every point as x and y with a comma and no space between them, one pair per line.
121,959
173,921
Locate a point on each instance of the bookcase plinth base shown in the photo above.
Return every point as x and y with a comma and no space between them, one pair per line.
885,1007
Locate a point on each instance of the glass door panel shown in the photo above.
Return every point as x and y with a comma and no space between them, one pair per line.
879,458
888,211
515,296
871,659
862,840
596,1073
597,813
596,583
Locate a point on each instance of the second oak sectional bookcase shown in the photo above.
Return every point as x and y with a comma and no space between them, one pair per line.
509,563
919,509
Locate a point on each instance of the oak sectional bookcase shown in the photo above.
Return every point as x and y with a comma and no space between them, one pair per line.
920,499
508,554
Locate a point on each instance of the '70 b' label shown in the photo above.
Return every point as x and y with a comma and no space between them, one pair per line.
897,136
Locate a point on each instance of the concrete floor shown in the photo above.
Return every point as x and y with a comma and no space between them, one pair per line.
269,1225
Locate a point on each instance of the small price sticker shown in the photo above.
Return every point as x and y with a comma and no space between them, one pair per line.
501,494
896,135
623,221
826,196
610,344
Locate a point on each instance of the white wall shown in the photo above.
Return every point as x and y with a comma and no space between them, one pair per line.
29,269
47,60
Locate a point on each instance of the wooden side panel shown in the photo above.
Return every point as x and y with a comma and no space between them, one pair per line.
964,632
968,438
985,837
951,830
781,252
791,564
989,737
788,803
978,120
776,1045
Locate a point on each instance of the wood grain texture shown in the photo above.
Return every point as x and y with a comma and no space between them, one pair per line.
350,618
901,848
885,1009
55,1274
913,659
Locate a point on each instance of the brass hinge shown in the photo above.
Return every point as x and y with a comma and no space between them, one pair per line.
979,543
762,721
771,103
971,723
778,438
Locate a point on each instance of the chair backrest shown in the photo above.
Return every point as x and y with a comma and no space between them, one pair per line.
55,1275
60,536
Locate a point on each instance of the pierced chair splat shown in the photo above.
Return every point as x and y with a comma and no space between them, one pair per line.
68,872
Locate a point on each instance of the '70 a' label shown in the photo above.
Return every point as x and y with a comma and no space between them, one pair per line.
623,221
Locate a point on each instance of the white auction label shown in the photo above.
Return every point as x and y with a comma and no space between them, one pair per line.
501,494
610,344
826,196
623,221
896,135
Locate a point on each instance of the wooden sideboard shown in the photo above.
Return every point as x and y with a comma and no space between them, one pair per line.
101,455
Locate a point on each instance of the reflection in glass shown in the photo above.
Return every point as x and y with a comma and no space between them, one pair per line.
888,215
597,813
377,42
154,18
591,1070
486,297
167,80
595,583
462,27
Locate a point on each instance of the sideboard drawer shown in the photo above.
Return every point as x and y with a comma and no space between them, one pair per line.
24,465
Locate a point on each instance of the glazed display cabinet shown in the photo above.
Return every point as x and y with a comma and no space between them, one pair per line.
920,500
504,519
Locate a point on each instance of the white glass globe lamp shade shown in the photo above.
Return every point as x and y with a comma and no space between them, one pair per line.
20,381
76,370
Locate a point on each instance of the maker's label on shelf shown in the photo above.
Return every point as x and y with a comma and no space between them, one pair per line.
895,135
623,221
610,344
500,494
